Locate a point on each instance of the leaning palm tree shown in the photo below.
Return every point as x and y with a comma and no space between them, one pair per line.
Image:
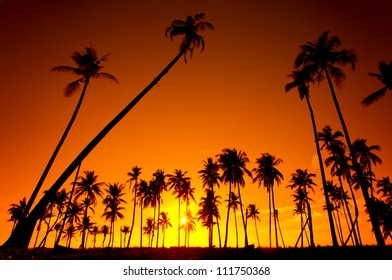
89,187
385,77
252,212
211,177
164,223
177,182
301,80
112,203
189,29
134,176
16,211
88,66
324,57
267,173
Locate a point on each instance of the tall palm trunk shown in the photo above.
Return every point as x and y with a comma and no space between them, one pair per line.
270,216
179,227
257,234
310,224
227,218
323,177
83,244
357,168
216,217
274,209
236,227
242,215
133,217
21,236
159,211
141,223
56,151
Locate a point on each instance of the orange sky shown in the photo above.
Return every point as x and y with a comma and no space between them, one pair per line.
232,95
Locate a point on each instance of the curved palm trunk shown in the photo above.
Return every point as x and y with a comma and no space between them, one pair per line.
362,180
257,234
227,218
68,206
21,236
274,209
310,224
216,217
236,228
242,215
323,177
133,217
56,151
280,232
159,209
270,216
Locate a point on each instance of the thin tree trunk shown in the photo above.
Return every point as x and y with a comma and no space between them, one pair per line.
141,223
242,215
227,218
323,177
310,224
364,185
179,228
133,216
21,236
257,235
236,228
55,152
270,216
280,232
217,221
276,229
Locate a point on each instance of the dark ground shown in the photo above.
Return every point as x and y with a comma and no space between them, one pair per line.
318,253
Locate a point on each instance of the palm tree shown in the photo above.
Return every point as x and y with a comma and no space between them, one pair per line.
134,176
88,66
16,211
301,80
267,173
252,212
385,188
69,234
302,181
233,166
233,203
95,231
89,187
164,223
125,231
276,216
148,230
209,210
160,186
142,192
190,28
366,157
105,230
385,77
210,177
323,56
112,203
177,182
85,227
189,226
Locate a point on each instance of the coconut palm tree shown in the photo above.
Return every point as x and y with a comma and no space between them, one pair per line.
160,186
209,210
233,203
142,192
16,211
252,212
385,188
276,216
125,231
177,182
85,227
69,234
134,176
95,232
324,57
189,226
211,178
233,166
189,29
164,223
88,66
105,230
89,187
385,77
303,180
267,174
301,80
112,203
148,230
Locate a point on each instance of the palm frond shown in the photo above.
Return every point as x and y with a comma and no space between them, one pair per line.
62,68
72,87
370,99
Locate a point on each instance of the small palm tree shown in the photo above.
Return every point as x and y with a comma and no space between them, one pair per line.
95,232
209,210
252,212
385,188
164,223
188,226
105,230
16,211
70,232
189,29
233,203
148,230
112,203
124,230
385,77
160,186
134,176
267,173
142,193
88,66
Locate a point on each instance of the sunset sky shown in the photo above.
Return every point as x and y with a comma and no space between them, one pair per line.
230,96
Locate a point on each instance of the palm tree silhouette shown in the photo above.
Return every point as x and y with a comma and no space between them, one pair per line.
88,66
69,234
148,230
233,203
210,177
385,188
105,230
233,166
85,227
177,182
112,203
252,212
276,216
323,56
164,223
189,226
301,80
89,187
125,231
95,232
190,29
385,77
267,173
209,210
302,181
160,186
142,192
16,211
134,176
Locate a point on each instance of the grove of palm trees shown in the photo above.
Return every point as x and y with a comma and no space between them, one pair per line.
170,170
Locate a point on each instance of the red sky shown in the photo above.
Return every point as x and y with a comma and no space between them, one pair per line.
232,95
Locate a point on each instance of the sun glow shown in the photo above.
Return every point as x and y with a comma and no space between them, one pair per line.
183,220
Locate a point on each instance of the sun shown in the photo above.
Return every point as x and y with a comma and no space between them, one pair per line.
183,220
